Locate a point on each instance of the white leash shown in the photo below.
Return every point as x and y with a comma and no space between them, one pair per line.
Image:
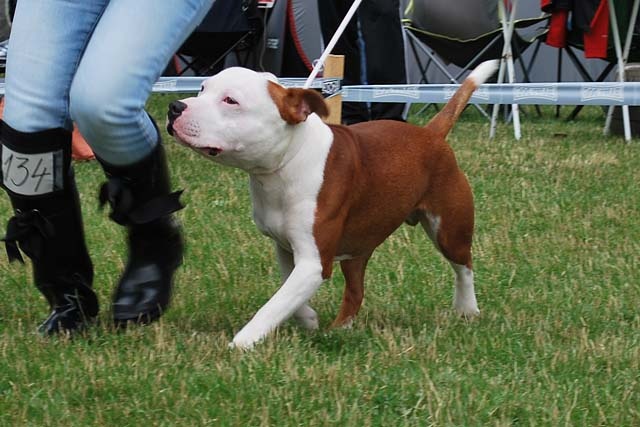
320,63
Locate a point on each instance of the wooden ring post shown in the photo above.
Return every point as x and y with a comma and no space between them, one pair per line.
334,68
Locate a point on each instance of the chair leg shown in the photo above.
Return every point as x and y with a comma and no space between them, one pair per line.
559,76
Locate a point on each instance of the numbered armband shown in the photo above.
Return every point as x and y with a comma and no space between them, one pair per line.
32,174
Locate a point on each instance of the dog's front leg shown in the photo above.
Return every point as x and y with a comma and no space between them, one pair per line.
305,315
302,283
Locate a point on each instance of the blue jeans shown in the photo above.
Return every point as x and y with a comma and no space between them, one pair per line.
94,62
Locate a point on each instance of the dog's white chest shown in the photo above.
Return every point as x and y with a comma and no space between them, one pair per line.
270,208
284,202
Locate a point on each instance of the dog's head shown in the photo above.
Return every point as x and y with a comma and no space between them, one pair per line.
242,118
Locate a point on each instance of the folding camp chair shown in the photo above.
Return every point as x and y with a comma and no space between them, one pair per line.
230,25
465,33
624,54
623,48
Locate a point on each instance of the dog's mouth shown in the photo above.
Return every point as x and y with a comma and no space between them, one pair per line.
206,151
210,151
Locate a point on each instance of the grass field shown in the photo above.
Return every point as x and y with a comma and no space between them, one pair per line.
557,266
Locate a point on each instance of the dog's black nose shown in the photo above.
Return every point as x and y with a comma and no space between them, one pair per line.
175,109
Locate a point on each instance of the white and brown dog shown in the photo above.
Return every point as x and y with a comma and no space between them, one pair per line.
328,193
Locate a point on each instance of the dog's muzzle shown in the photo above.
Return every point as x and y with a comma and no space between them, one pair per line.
175,110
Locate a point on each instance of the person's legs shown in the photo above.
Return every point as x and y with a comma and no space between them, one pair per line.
47,41
128,51
331,14
384,46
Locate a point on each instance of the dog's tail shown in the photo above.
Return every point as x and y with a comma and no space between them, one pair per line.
442,123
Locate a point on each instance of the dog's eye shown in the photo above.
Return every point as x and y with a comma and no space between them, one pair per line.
229,100
201,89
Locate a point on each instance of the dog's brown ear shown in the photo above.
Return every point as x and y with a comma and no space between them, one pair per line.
296,104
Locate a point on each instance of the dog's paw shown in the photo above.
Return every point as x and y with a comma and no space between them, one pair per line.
246,339
468,311
466,305
307,317
340,323
347,324
239,344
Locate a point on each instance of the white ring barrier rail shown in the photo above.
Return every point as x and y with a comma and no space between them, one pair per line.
508,93
603,93
612,93
329,86
193,84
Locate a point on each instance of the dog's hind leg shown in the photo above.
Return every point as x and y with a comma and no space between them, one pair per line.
353,271
464,300
452,237
305,315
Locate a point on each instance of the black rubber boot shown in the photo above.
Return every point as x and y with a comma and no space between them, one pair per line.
140,199
47,224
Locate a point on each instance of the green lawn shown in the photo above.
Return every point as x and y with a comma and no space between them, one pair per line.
557,276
